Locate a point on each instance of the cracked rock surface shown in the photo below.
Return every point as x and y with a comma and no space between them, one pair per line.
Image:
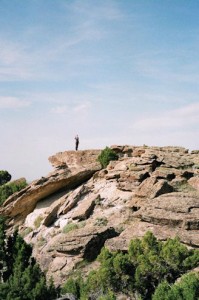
71,213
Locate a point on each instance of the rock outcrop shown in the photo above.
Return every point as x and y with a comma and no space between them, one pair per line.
70,214
83,166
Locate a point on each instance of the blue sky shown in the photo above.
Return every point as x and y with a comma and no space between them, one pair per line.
113,71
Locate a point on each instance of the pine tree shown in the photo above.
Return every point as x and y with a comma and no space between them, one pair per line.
21,276
2,247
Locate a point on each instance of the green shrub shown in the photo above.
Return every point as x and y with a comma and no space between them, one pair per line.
8,189
109,296
72,226
26,231
106,156
69,227
75,286
38,221
147,263
71,286
20,276
187,288
101,221
81,224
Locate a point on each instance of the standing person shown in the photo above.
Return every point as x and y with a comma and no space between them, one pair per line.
76,142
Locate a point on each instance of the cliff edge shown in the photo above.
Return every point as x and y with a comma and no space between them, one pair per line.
71,213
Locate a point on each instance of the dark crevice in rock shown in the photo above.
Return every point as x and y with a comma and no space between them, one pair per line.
70,252
192,207
95,245
184,167
164,189
192,225
73,184
163,221
145,176
188,175
135,208
171,177
155,164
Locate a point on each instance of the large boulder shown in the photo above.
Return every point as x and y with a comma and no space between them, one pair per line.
173,209
73,169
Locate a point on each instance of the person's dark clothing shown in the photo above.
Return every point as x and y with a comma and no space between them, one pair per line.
76,143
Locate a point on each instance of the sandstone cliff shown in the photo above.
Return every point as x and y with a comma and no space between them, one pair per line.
72,212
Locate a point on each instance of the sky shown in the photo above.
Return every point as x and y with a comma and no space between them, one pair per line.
112,71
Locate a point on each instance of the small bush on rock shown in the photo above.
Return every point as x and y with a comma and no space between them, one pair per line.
70,227
106,156
38,221
101,222
26,231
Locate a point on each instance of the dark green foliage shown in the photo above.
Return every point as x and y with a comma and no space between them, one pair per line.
147,263
109,296
191,260
106,156
4,177
72,286
186,289
8,189
162,291
156,261
2,247
21,277
174,253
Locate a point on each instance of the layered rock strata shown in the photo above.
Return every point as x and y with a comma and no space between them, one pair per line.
70,214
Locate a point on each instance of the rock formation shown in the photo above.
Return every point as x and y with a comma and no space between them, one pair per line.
70,214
